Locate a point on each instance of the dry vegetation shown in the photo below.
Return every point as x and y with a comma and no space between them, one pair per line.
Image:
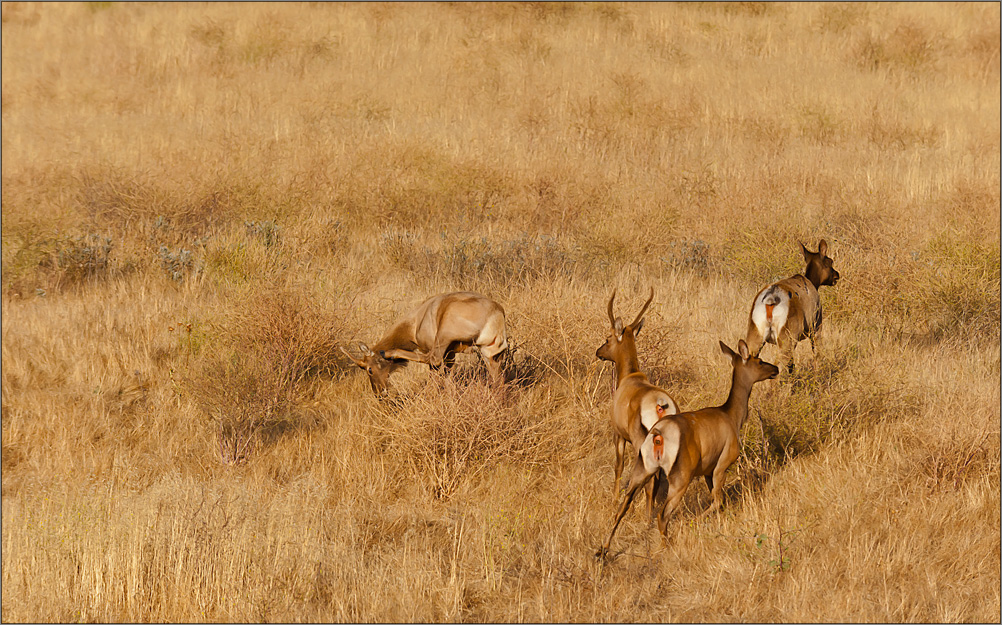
202,202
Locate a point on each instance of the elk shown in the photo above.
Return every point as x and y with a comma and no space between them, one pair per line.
636,404
691,444
433,333
788,311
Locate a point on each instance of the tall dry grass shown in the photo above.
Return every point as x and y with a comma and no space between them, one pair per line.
201,203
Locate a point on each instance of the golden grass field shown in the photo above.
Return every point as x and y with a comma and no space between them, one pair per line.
202,203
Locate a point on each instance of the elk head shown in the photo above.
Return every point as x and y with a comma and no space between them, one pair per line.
620,345
376,365
819,267
748,369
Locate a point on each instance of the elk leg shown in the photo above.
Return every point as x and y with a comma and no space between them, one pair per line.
754,340
438,351
716,482
639,477
449,358
787,346
652,492
404,354
673,501
620,455
660,491
649,492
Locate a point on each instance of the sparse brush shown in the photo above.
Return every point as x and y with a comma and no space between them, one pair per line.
54,263
268,232
179,264
258,369
454,432
300,337
242,394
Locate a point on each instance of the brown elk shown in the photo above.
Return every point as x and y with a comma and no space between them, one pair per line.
433,333
637,404
788,311
691,444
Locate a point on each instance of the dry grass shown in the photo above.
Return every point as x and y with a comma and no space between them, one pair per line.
201,203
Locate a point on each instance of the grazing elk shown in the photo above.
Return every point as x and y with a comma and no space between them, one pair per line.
432,334
789,311
690,444
637,404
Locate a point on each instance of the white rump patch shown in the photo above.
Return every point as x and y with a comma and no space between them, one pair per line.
649,408
669,431
779,299
647,453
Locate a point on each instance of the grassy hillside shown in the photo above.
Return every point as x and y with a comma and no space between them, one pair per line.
203,203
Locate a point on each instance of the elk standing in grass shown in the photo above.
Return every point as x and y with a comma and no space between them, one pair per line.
434,332
690,444
637,404
789,311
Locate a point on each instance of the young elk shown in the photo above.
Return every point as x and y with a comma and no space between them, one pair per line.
432,334
690,444
637,404
789,311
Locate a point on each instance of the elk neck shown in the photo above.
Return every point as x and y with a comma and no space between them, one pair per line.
626,359
736,406
813,274
400,336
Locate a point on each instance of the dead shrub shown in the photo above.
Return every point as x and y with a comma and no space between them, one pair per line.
242,394
454,431
252,385
299,336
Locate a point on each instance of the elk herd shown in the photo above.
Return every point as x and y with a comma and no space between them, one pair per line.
670,448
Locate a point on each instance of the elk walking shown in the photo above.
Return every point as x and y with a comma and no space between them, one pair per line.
637,404
691,444
788,311
433,333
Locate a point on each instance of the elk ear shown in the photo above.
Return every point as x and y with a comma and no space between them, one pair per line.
727,351
618,327
743,350
823,248
636,329
807,252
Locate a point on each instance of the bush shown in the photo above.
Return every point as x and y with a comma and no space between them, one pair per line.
242,394
251,383
455,431
52,263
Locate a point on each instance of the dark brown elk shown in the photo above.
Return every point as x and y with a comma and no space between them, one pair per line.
433,333
637,404
788,311
692,444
